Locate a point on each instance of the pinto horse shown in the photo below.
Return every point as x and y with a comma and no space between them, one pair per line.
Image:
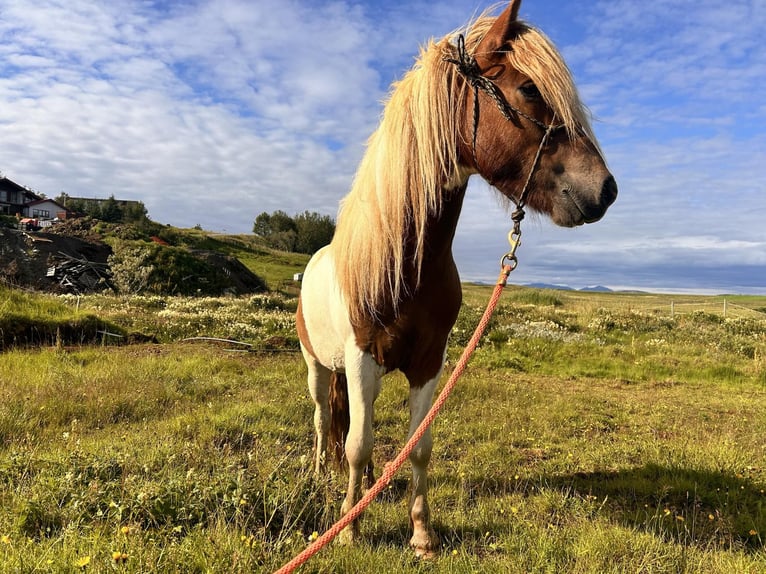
385,294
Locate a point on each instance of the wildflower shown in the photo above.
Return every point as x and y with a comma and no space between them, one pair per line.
119,557
753,532
680,518
710,517
83,562
454,552
5,539
125,530
314,536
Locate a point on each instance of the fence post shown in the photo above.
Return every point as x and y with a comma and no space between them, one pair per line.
672,309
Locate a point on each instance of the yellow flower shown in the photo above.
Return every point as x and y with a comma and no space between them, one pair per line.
753,532
314,536
119,557
710,517
83,562
5,539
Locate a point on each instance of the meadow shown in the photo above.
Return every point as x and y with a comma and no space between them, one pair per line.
591,433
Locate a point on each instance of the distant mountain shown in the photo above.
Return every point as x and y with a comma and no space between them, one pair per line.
549,286
597,288
594,288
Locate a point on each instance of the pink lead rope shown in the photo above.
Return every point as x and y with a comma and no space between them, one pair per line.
393,467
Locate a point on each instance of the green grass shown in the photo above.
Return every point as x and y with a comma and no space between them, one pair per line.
34,319
590,433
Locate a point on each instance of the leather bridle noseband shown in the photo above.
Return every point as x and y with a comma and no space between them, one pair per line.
469,68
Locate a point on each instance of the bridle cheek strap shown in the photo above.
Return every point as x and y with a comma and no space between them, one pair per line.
468,67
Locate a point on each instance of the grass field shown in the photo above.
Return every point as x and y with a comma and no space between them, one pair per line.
591,433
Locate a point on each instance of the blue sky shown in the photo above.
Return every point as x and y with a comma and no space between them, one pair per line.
214,111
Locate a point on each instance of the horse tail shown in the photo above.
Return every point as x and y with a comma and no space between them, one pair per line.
339,416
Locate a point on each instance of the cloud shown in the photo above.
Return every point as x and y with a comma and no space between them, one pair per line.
214,111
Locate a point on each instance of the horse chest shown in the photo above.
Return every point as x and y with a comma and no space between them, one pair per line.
414,340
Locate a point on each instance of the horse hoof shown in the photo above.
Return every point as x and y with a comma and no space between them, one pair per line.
425,546
425,554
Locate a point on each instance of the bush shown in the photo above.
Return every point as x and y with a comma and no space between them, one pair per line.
8,221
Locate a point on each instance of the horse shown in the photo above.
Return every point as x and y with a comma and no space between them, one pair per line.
498,101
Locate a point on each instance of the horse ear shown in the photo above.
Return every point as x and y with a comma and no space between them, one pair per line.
501,30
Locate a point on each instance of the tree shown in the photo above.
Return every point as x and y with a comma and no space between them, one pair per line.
262,225
314,231
111,211
266,225
134,212
307,232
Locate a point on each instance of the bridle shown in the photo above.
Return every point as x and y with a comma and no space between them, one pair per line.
469,68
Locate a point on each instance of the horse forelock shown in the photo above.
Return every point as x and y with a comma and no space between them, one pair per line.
533,54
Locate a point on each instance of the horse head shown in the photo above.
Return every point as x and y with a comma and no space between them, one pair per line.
532,139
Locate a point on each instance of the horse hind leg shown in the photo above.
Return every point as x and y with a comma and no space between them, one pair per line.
424,539
319,389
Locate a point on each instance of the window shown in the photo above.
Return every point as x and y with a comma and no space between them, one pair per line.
41,213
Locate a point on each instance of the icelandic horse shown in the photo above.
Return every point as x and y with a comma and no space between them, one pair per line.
385,293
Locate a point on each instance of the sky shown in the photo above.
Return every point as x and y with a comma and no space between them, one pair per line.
213,111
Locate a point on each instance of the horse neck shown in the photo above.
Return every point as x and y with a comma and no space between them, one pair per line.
440,233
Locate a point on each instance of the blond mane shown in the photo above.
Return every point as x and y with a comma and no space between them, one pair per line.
413,155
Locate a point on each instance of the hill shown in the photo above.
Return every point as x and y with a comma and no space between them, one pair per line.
86,256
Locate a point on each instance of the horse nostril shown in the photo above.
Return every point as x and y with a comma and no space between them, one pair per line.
609,191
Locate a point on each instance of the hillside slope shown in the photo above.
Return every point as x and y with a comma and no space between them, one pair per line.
85,256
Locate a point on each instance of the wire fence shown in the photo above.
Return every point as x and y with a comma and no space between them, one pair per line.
723,308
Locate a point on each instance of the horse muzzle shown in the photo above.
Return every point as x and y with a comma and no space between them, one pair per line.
577,207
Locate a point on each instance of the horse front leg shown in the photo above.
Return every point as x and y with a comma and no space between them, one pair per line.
363,376
424,539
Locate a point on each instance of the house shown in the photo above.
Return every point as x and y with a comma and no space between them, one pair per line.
45,209
14,198
24,203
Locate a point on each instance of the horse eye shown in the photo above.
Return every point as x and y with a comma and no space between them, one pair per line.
530,91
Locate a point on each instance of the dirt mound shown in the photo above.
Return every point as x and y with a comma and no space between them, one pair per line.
72,258
53,262
80,228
